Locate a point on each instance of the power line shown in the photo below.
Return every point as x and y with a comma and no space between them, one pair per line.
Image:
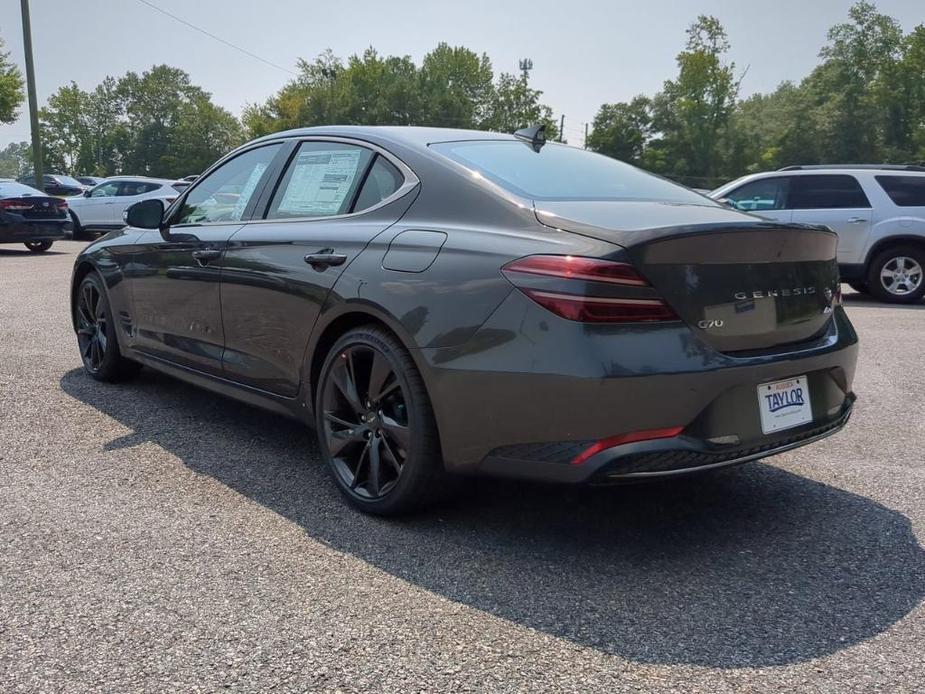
217,38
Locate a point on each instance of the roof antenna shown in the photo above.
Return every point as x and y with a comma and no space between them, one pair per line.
534,136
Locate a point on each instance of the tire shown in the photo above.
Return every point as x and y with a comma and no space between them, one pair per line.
859,287
78,233
96,334
884,281
38,246
391,430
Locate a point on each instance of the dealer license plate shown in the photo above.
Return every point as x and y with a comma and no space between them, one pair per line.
784,404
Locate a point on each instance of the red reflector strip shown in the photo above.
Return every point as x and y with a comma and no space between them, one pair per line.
602,309
15,205
576,268
619,440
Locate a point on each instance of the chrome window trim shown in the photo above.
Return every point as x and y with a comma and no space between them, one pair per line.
411,181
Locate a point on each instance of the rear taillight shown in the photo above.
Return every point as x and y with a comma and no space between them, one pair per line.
575,299
15,205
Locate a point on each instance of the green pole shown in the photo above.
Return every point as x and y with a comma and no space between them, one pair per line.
33,99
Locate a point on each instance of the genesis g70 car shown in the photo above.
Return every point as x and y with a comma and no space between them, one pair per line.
438,302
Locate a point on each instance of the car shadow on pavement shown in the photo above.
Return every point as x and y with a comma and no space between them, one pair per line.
754,566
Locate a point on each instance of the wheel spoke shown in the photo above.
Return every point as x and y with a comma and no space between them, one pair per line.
95,358
373,485
379,373
397,432
86,348
356,473
346,383
391,457
339,440
334,419
102,339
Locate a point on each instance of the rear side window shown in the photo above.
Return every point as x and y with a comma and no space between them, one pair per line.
904,191
320,181
826,192
558,172
137,187
763,194
382,180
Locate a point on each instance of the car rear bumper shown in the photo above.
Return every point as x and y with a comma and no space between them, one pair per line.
20,232
529,393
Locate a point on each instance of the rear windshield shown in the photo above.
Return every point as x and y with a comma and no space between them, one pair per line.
9,189
904,191
558,172
68,181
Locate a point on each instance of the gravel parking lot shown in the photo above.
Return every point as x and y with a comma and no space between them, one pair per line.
155,537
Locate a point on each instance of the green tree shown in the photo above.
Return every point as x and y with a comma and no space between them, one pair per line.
456,87
622,130
15,160
65,128
11,88
691,114
515,105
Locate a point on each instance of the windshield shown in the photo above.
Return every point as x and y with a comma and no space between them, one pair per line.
9,189
558,172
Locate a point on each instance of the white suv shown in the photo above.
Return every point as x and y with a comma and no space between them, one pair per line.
101,207
878,213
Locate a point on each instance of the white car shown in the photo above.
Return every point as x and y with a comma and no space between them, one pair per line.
878,213
101,207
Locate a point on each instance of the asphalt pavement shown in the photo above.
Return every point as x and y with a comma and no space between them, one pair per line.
155,537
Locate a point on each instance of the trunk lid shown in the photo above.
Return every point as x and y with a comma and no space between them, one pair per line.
742,284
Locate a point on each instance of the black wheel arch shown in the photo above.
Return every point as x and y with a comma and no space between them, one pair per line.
337,320
898,240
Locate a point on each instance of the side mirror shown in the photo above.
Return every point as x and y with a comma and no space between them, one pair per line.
146,214
87,193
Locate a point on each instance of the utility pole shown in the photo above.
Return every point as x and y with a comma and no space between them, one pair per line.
561,127
586,136
33,99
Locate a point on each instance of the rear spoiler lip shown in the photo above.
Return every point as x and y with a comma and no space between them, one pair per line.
627,238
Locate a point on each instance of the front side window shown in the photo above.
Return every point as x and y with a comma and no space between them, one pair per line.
224,194
559,172
763,194
826,192
904,191
105,190
321,180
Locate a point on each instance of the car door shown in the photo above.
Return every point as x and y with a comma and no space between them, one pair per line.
837,201
175,278
765,197
333,198
96,208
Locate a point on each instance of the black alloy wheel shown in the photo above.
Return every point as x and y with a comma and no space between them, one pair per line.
38,246
375,424
96,337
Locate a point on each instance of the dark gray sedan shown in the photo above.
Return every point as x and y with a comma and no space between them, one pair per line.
441,301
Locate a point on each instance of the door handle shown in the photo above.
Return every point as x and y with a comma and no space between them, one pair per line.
856,220
206,256
324,259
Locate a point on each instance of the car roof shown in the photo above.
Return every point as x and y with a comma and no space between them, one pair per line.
415,136
141,179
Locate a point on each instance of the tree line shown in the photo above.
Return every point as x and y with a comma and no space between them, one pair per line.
864,102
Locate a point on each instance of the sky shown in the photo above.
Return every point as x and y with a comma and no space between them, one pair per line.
584,52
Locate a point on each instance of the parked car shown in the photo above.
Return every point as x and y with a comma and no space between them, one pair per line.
31,217
446,301
55,184
878,213
101,208
90,181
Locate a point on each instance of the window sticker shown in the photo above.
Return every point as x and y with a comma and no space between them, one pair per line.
320,183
